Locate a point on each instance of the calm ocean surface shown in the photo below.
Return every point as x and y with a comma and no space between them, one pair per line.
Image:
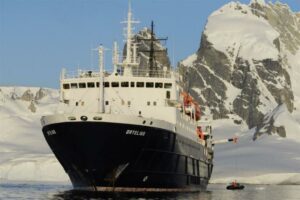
215,192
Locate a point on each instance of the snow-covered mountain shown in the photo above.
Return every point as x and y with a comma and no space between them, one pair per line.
247,65
24,153
245,74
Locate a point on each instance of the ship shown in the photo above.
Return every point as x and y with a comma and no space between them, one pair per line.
130,130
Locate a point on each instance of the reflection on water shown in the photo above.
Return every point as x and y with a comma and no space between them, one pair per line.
70,195
215,192
37,191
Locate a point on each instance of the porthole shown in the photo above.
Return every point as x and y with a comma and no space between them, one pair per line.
84,118
72,118
97,118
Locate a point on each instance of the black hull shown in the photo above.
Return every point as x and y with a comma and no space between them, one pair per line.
131,158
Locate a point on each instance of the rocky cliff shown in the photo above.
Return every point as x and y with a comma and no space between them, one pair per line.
242,69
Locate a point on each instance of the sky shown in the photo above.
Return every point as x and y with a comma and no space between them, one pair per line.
40,37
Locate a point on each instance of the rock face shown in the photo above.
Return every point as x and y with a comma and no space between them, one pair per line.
32,96
241,67
32,107
27,96
40,94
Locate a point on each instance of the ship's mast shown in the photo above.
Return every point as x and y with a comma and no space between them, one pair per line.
101,81
152,65
115,58
129,61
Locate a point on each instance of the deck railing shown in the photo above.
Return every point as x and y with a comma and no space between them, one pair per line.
135,73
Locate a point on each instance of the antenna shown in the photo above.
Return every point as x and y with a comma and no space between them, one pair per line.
101,50
116,58
129,61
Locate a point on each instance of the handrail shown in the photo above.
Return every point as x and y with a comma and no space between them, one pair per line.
135,73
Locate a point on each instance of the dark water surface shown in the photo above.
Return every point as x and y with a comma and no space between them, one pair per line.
215,192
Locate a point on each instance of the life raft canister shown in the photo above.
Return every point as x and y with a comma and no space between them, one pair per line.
200,132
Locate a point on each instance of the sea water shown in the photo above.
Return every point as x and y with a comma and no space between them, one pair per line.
215,192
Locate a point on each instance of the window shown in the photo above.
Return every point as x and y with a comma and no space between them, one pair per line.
97,84
114,84
76,103
168,94
91,85
131,84
106,84
106,103
154,103
128,103
149,85
148,103
190,166
74,85
66,86
82,85
124,84
158,85
140,84
168,85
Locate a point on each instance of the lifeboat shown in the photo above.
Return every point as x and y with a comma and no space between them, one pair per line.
235,186
191,105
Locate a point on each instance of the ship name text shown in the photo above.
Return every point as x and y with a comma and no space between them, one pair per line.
51,132
135,132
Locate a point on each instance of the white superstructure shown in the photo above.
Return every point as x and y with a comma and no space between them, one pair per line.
127,91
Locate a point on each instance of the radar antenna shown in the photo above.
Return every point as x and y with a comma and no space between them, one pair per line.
152,51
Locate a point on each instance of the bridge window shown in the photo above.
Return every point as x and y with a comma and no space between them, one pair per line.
168,94
82,85
106,84
140,84
66,86
149,85
158,85
168,85
74,85
131,84
124,84
114,84
90,84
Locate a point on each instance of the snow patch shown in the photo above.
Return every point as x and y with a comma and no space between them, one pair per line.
24,153
275,178
268,160
282,117
189,60
234,25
